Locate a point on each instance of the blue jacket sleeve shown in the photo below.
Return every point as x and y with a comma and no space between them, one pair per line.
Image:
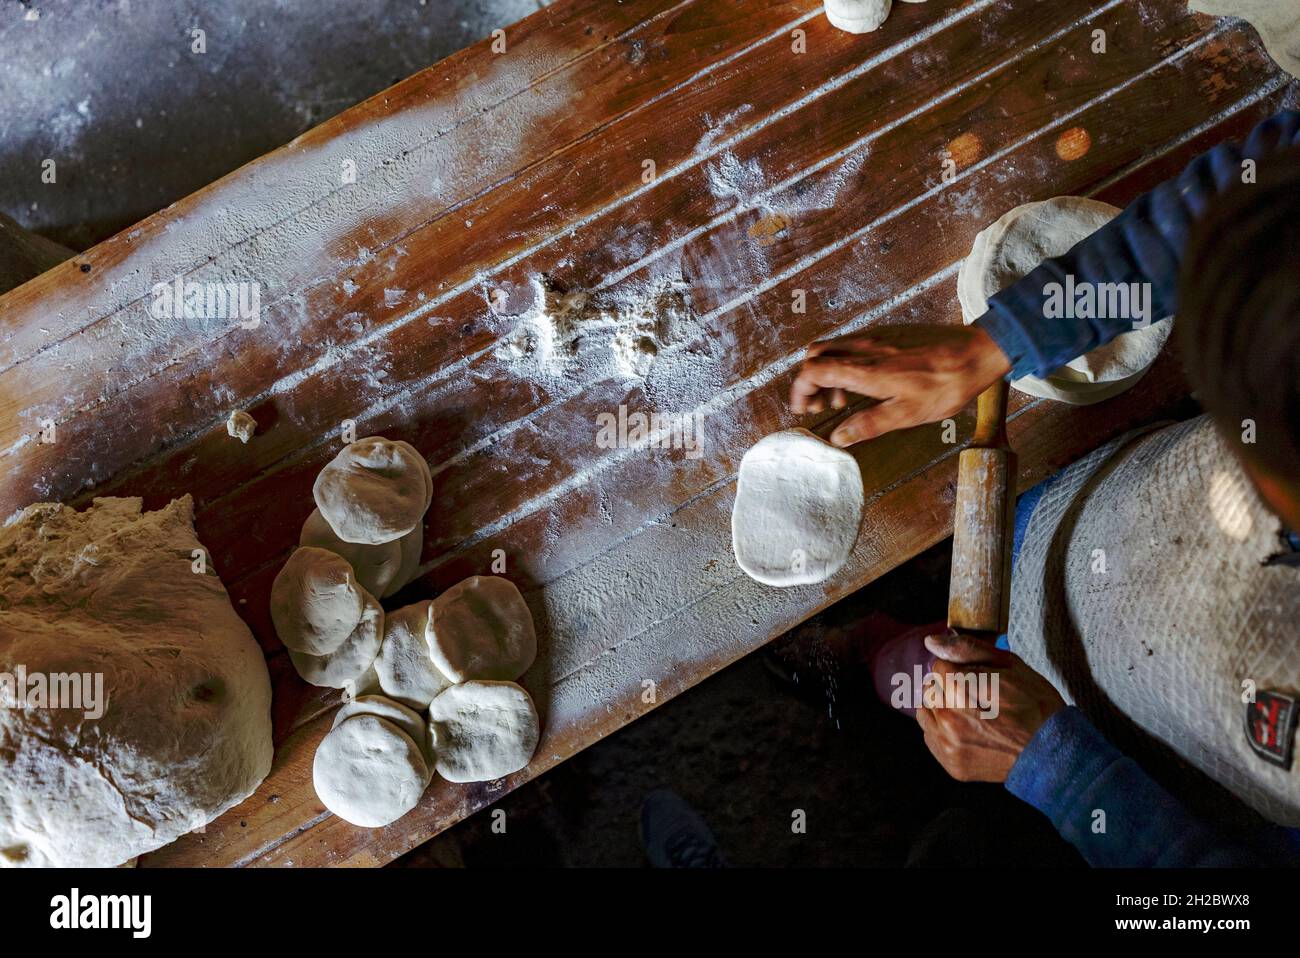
1069,772
1144,244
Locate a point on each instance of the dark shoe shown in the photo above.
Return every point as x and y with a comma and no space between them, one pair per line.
674,834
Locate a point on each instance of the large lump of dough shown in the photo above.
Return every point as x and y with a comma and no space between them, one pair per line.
186,730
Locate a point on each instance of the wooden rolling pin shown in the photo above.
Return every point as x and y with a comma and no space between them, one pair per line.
979,589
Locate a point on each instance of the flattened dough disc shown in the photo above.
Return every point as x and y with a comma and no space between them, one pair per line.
1014,246
367,771
483,730
797,511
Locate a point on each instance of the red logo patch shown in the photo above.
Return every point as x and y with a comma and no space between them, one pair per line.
1270,726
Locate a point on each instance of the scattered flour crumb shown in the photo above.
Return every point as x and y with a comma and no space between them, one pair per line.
241,425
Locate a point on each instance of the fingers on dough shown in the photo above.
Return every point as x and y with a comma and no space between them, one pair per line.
797,511
483,730
368,771
481,628
375,490
404,667
316,602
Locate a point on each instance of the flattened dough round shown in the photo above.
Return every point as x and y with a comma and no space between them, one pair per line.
481,628
375,490
407,719
483,730
316,601
1013,247
367,771
797,511
857,16
405,667
350,664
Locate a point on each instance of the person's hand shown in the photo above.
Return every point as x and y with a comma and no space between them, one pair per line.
981,741
919,373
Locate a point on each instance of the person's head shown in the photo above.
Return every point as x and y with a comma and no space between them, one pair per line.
1238,326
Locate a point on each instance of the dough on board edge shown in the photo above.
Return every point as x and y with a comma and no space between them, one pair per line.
857,16
797,510
185,732
368,772
1276,21
483,730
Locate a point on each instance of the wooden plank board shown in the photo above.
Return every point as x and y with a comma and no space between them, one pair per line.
392,302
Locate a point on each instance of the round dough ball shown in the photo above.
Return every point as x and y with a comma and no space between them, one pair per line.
1013,247
404,667
351,662
381,569
797,511
367,771
481,628
407,719
316,601
374,490
483,730
857,16
376,566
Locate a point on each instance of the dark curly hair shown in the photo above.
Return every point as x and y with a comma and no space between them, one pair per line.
1238,324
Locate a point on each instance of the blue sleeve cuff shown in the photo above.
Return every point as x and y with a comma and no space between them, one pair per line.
1066,751
1011,336
1143,245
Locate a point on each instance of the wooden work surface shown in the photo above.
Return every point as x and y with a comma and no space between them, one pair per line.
775,171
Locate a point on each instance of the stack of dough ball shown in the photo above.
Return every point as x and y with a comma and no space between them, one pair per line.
331,626
451,656
382,568
369,517
373,765
1013,247
374,491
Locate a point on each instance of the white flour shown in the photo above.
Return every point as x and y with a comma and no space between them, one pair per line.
581,336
